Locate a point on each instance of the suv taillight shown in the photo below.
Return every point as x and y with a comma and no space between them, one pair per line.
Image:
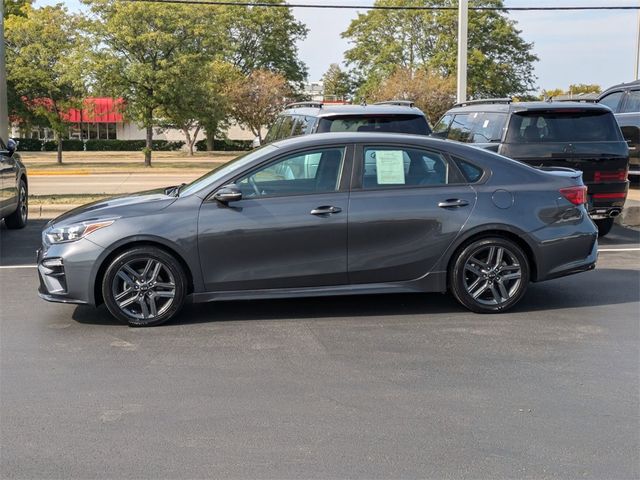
619,175
576,195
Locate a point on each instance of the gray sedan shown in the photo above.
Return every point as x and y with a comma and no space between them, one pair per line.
326,214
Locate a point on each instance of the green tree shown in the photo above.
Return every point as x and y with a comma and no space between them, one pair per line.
140,51
265,38
257,99
337,82
500,62
202,106
578,88
42,54
433,94
15,7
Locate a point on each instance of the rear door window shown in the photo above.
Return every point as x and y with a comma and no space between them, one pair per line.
478,127
612,100
441,128
563,126
632,104
403,167
285,128
272,134
412,124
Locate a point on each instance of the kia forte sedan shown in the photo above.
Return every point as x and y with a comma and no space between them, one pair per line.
326,214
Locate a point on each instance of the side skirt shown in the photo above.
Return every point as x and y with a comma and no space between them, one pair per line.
433,282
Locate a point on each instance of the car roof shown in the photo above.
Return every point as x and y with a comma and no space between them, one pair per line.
620,86
525,106
332,110
319,139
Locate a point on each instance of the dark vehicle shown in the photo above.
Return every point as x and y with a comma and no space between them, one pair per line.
303,118
380,213
624,101
581,136
13,186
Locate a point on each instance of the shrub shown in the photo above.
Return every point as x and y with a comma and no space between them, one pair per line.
68,145
29,144
225,145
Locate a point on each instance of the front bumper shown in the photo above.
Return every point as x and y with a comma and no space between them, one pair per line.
67,271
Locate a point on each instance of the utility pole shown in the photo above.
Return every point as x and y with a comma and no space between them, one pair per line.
4,109
463,25
636,75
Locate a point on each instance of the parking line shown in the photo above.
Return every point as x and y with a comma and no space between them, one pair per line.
635,249
7,267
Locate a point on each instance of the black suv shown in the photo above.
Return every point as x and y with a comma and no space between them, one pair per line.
624,100
581,136
303,118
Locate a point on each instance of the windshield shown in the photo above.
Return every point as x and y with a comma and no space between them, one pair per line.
413,124
224,169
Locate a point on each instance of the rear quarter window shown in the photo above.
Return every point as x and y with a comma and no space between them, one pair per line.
471,172
563,126
478,127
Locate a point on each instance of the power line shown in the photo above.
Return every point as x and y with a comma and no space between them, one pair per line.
381,7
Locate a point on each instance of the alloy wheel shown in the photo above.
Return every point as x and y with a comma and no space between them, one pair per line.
492,275
144,288
23,205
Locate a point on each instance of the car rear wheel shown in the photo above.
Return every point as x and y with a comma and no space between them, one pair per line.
604,226
489,275
144,286
18,219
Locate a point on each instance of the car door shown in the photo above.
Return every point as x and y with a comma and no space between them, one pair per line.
289,230
407,205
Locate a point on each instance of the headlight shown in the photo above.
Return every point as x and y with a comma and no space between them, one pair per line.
75,231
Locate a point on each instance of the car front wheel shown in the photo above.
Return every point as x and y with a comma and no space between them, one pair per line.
144,286
489,275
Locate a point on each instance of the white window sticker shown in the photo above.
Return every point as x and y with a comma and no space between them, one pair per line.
485,124
390,167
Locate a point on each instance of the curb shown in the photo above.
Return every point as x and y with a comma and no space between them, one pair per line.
49,211
630,216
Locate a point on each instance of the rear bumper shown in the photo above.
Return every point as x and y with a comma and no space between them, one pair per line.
565,248
606,199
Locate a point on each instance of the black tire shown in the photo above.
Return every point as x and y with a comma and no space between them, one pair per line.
147,296
604,226
18,219
489,275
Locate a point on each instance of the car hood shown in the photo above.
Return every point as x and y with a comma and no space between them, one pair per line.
133,205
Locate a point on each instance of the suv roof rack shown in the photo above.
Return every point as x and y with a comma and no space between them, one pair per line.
577,98
484,101
401,103
310,104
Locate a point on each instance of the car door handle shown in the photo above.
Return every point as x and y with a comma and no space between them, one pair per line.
453,202
325,210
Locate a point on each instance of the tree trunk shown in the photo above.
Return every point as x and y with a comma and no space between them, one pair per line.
210,133
148,145
210,139
187,137
192,141
59,139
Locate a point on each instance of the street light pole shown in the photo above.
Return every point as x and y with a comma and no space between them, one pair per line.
4,109
463,25
637,62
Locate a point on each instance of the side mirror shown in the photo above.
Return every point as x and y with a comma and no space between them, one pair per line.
228,193
12,146
255,143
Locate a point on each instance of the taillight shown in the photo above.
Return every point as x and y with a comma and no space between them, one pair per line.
619,175
576,195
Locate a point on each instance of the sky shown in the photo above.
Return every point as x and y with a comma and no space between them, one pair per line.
573,46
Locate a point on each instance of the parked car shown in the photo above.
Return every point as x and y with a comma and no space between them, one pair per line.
381,213
303,118
13,186
624,101
582,136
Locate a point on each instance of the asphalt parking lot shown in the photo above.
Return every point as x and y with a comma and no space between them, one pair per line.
395,386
